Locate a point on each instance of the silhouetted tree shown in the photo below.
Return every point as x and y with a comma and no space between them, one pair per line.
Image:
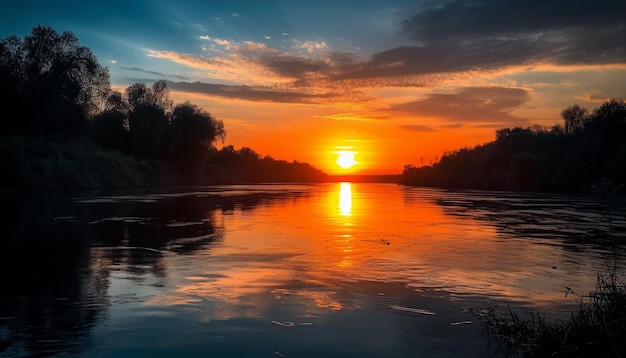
574,118
246,166
609,114
53,82
192,135
148,119
110,130
535,158
148,125
116,102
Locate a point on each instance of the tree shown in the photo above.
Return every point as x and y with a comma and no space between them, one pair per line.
116,102
574,118
196,131
109,131
157,96
53,82
147,126
148,118
613,111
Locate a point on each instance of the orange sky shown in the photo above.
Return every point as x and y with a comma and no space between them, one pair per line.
385,136
397,82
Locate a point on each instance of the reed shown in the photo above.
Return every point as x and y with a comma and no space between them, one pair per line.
596,327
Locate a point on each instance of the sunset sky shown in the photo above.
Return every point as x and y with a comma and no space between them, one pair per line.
395,82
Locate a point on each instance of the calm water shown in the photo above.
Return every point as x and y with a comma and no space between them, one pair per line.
367,270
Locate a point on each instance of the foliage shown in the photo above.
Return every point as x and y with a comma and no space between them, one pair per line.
144,122
595,328
51,165
574,118
51,82
566,159
72,131
194,132
247,166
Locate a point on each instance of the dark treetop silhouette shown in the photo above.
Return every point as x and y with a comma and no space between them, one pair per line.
565,158
72,131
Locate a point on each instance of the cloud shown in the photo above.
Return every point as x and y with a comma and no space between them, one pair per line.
453,126
452,38
290,66
416,128
158,74
312,46
587,97
487,34
249,93
137,69
254,63
351,117
470,104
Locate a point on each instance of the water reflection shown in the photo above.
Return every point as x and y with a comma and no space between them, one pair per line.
69,264
342,268
345,199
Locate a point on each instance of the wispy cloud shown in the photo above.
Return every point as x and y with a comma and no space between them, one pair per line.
311,46
472,104
416,128
315,72
488,34
137,69
155,73
453,39
362,117
250,93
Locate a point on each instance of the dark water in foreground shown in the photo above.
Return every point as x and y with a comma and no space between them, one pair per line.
365,270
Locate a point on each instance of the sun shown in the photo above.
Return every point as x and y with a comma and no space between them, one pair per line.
345,159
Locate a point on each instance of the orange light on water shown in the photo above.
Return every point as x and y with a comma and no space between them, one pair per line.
345,199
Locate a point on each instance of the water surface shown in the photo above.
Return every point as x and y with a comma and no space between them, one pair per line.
368,270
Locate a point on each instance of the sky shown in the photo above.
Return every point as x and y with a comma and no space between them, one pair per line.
392,82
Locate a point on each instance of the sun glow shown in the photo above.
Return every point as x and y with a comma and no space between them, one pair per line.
345,159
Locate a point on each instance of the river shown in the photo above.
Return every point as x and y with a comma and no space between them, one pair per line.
336,269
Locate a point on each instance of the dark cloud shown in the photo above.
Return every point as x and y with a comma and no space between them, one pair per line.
182,78
458,20
402,67
470,104
408,61
304,69
459,35
453,126
158,74
416,128
492,33
290,65
137,69
249,93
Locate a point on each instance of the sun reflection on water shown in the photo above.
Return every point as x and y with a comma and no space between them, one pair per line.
311,252
345,199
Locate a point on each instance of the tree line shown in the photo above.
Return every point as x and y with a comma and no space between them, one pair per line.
588,147
66,115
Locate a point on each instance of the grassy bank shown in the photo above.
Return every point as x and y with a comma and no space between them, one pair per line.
47,165
595,328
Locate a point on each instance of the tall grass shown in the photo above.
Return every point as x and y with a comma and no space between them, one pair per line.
35,164
596,327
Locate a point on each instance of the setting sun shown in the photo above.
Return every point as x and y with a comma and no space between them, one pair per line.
345,159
